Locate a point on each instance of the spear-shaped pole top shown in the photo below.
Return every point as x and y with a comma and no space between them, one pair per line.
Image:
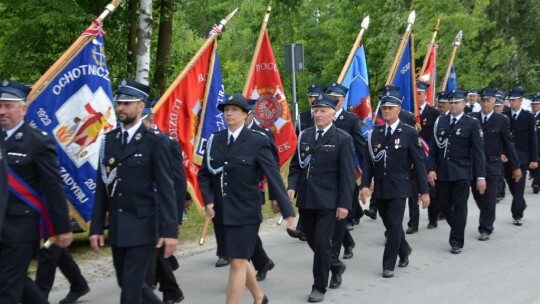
410,21
365,23
111,7
457,41
229,16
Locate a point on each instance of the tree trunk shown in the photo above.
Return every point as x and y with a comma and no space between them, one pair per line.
132,38
143,44
163,55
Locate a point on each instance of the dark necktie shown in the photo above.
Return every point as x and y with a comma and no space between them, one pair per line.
231,142
514,117
319,136
388,134
125,139
485,119
453,123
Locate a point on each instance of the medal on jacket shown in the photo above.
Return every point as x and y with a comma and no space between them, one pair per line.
397,143
457,132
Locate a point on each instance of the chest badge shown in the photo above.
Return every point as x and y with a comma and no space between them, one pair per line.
458,131
396,142
111,161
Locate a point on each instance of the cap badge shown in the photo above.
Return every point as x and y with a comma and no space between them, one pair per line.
123,83
5,83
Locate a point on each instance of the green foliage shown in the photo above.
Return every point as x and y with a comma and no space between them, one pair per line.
500,37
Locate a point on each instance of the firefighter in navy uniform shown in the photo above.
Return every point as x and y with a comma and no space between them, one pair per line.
322,175
535,105
229,176
497,140
428,115
456,155
305,118
522,126
394,148
260,259
351,124
31,155
135,186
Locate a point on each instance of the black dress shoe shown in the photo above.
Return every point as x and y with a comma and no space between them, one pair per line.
387,273
483,236
517,222
455,250
261,274
303,238
372,213
178,299
404,262
335,280
222,262
316,296
264,300
349,227
441,216
412,230
536,188
73,296
348,252
432,225
295,233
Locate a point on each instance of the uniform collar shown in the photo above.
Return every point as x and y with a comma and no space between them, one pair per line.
13,130
393,126
131,131
235,133
338,113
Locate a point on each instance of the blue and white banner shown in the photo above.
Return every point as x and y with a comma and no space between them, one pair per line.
76,108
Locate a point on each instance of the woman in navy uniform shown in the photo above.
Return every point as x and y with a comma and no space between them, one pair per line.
497,140
394,148
31,154
456,155
233,162
321,173
135,186
524,135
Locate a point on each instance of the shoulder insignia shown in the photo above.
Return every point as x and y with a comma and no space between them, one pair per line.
258,132
419,143
43,132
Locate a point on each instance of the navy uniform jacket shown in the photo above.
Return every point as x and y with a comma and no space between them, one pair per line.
463,154
3,179
427,120
270,135
390,163
407,118
31,153
537,125
179,176
524,135
497,140
306,121
351,124
234,188
327,180
141,200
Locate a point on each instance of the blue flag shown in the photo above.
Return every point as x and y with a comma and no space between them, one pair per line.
211,117
452,80
357,99
404,79
76,108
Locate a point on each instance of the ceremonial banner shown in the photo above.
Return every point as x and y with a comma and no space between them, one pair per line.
406,80
180,111
452,80
272,110
358,99
430,75
211,117
76,107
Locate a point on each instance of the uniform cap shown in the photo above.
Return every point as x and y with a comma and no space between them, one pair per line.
315,90
325,100
336,89
235,99
457,95
389,96
13,91
516,93
421,86
129,91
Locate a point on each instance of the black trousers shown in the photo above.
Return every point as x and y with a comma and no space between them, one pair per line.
131,265
259,258
453,196
517,190
341,236
392,211
433,208
14,261
51,258
536,176
486,203
163,273
414,209
318,225
501,186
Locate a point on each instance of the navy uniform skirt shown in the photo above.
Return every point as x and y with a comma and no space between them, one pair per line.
238,241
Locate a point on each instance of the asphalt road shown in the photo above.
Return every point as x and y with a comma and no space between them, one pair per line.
505,269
